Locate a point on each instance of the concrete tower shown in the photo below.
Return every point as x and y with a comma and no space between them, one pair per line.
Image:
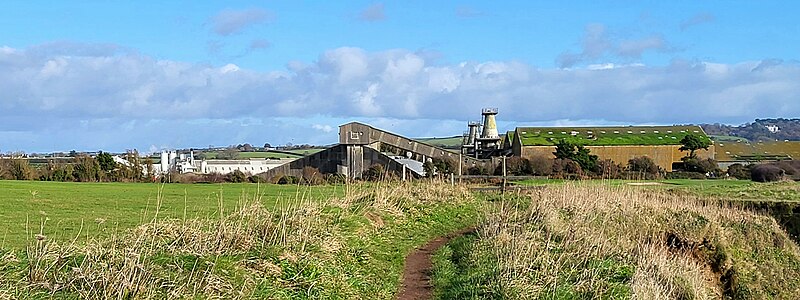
489,124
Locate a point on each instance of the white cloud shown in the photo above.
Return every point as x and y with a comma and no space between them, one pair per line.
121,98
323,128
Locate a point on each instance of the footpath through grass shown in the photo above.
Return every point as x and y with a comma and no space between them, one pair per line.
69,209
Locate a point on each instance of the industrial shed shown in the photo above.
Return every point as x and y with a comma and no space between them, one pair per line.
619,144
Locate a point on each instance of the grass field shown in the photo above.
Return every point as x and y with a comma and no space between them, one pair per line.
454,141
349,245
583,240
721,189
103,208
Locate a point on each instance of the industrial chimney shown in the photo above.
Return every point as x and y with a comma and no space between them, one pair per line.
489,124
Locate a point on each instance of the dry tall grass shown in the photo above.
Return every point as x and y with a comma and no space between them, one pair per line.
250,251
591,241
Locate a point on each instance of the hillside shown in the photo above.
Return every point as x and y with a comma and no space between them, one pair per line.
789,129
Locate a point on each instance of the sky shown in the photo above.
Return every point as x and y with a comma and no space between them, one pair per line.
152,75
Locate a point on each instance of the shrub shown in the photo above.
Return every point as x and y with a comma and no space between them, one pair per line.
287,179
518,166
335,178
477,170
739,171
700,165
375,172
256,179
566,166
643,164
236,176
766,173
540,165
312,176
788,167
609,169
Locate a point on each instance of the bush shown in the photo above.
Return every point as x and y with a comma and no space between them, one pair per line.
236,176
767,173
700,165
517,166
287,179
477,170
609,169
256,179
540,165
566,166
788,167
643,164
335,178
375,172
739,171
312,176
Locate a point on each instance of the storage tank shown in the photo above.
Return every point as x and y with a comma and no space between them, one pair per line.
164,162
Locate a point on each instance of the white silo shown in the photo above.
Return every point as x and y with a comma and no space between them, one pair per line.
164,162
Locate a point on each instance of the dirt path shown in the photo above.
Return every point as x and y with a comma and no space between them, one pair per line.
417,271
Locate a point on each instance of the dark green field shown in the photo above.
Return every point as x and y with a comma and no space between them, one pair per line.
103,208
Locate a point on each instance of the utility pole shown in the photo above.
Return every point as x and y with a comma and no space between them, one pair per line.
504,175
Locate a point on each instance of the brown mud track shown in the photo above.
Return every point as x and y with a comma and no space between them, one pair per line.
418,268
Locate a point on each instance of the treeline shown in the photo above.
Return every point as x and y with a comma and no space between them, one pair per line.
81,168
757,130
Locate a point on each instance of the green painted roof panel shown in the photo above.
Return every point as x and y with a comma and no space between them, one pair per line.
607,136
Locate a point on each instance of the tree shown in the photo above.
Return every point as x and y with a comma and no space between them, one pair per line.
229,153
106,162
692,143
576,153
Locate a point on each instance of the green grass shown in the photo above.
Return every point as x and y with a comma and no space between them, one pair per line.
343,247
454,141
606,136
720,189
104,208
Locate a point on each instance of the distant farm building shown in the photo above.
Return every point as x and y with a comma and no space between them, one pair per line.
619,144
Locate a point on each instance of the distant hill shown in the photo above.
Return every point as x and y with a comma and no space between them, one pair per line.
787,129
443,142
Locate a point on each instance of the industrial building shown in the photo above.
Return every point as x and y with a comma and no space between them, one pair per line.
619,144
171,161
